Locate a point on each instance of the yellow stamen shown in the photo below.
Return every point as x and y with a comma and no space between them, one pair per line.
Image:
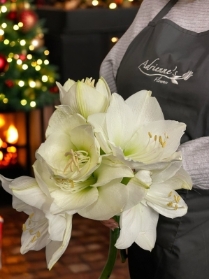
33,239
177,198
170,194
164,144
170,204
160,140
31,216
150,135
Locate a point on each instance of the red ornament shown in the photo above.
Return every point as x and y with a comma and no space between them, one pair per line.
54,89
12,15
4,65
3,1
9,83
28,18
22,57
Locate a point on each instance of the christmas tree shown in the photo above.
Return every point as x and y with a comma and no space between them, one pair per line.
27,79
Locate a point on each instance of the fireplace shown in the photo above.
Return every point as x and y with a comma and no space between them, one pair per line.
21,133
13,142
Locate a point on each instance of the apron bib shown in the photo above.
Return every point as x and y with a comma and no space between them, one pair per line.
173,63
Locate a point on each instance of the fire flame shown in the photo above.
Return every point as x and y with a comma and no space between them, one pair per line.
9,137
2,121
12,134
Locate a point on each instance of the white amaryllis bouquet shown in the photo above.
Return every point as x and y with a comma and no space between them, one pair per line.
103,157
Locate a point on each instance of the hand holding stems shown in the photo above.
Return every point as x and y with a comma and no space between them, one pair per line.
111,224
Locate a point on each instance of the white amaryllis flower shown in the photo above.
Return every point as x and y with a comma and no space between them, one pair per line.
84,97
71,150
135,130
99,197
113,194
138,224
41,229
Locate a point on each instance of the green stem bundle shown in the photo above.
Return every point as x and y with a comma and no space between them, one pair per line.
112,254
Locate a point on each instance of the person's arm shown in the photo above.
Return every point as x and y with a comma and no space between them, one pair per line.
195,154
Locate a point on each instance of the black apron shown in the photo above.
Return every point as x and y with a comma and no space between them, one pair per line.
174,64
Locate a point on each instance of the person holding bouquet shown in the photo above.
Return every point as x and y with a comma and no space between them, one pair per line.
165,50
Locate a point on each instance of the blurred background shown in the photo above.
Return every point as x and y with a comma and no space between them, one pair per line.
42,42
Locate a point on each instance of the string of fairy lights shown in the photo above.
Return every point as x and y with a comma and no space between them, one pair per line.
24,58
112,5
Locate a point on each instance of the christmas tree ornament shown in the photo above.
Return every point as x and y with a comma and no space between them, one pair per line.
54,89
28,18
3,1
4,65
22,56
9,83
12,15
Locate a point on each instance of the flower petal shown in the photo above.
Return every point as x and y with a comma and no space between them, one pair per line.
103,88
136,193
26,189
68,84
144,107
55,249
138,224
35,232
74,201
21,206
62,120
120,121
182,180
64,89
111,168
111,201
166,201
155,142
43,177
5,182
57,226
147,233
90,101
98,121
170,169
130,226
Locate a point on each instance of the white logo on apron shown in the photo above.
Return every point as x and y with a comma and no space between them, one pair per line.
147,68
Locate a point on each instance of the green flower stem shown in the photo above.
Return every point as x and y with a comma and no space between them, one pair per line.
123,255
112,255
